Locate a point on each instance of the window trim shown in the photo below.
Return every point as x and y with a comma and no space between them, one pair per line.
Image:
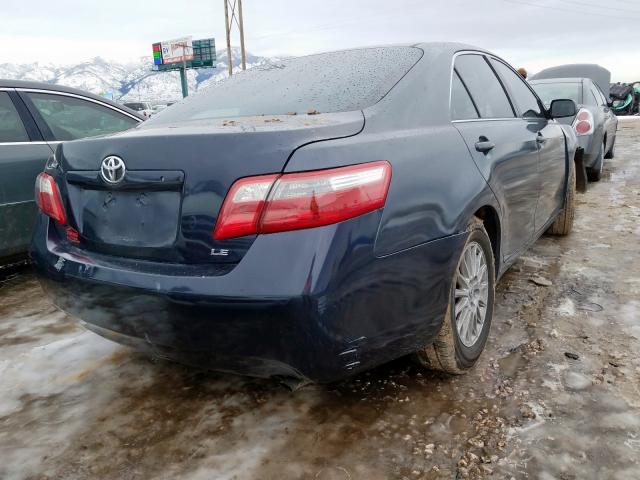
595,97
451,72
40,121
28,126
508,90
464,85
599,95
81,97
604,97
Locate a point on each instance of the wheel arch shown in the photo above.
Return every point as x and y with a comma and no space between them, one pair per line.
491,222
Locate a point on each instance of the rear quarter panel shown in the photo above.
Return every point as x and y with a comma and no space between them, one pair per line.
435,186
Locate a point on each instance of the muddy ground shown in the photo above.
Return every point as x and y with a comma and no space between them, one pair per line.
555,396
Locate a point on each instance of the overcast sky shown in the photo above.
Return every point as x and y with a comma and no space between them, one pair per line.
530,33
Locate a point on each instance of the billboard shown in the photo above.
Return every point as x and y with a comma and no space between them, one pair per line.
199,54
176,51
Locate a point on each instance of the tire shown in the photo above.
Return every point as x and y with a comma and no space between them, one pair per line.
452,352
612,151
563,224
594,174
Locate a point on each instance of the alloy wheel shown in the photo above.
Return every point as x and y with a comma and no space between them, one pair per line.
471,294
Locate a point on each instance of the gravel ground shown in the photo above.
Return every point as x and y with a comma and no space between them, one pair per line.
555,396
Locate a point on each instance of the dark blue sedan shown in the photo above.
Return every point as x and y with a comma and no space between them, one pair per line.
311,218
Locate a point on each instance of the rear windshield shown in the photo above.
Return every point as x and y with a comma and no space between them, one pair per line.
555,91
327,82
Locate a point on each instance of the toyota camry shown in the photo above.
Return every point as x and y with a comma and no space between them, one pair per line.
311,218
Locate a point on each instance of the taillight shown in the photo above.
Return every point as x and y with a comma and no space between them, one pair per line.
48,198
242,207
279,203
583,124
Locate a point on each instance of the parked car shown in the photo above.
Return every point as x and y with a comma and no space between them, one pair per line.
158,107
287,222
34,118
595,124
143,108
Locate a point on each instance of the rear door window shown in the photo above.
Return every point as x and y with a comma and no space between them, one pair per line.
521,95
602,96
11,126
598,96
70,118
592,97
462,107
484,87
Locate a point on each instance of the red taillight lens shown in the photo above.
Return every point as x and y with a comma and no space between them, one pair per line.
242,207
583,127
48,198
583,124
583,115
312,199
273,203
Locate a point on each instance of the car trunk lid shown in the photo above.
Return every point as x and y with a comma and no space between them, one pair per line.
177,176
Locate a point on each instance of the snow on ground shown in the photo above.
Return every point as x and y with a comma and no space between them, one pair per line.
556,395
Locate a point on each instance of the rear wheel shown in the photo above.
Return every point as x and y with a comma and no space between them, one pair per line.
468,318
563,224
595,173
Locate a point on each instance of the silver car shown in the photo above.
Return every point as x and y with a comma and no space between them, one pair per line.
595,124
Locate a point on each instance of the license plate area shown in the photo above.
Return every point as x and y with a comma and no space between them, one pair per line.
127,218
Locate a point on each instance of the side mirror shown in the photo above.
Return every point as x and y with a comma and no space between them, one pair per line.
563,108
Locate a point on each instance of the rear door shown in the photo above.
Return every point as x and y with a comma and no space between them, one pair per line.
23,154
610,120
504,147
550,139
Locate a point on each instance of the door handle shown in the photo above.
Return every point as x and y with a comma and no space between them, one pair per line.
483,145
540,138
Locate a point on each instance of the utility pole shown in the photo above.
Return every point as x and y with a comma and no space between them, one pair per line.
241,28
183,81
236,15
183,71
227,28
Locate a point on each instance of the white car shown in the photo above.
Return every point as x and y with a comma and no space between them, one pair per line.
143,108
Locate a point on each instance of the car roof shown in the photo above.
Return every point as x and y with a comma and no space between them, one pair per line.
435,47
560,80
598,74
447,46
5,83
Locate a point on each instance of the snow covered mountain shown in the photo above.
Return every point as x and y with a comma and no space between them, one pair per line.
127,81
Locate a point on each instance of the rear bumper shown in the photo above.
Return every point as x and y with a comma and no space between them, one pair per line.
314,304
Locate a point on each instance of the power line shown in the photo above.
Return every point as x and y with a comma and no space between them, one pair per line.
348,21
575,12
592,5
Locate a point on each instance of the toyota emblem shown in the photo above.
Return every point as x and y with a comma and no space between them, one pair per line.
112,169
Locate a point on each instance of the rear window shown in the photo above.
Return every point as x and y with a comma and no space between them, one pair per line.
327,82
555,91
